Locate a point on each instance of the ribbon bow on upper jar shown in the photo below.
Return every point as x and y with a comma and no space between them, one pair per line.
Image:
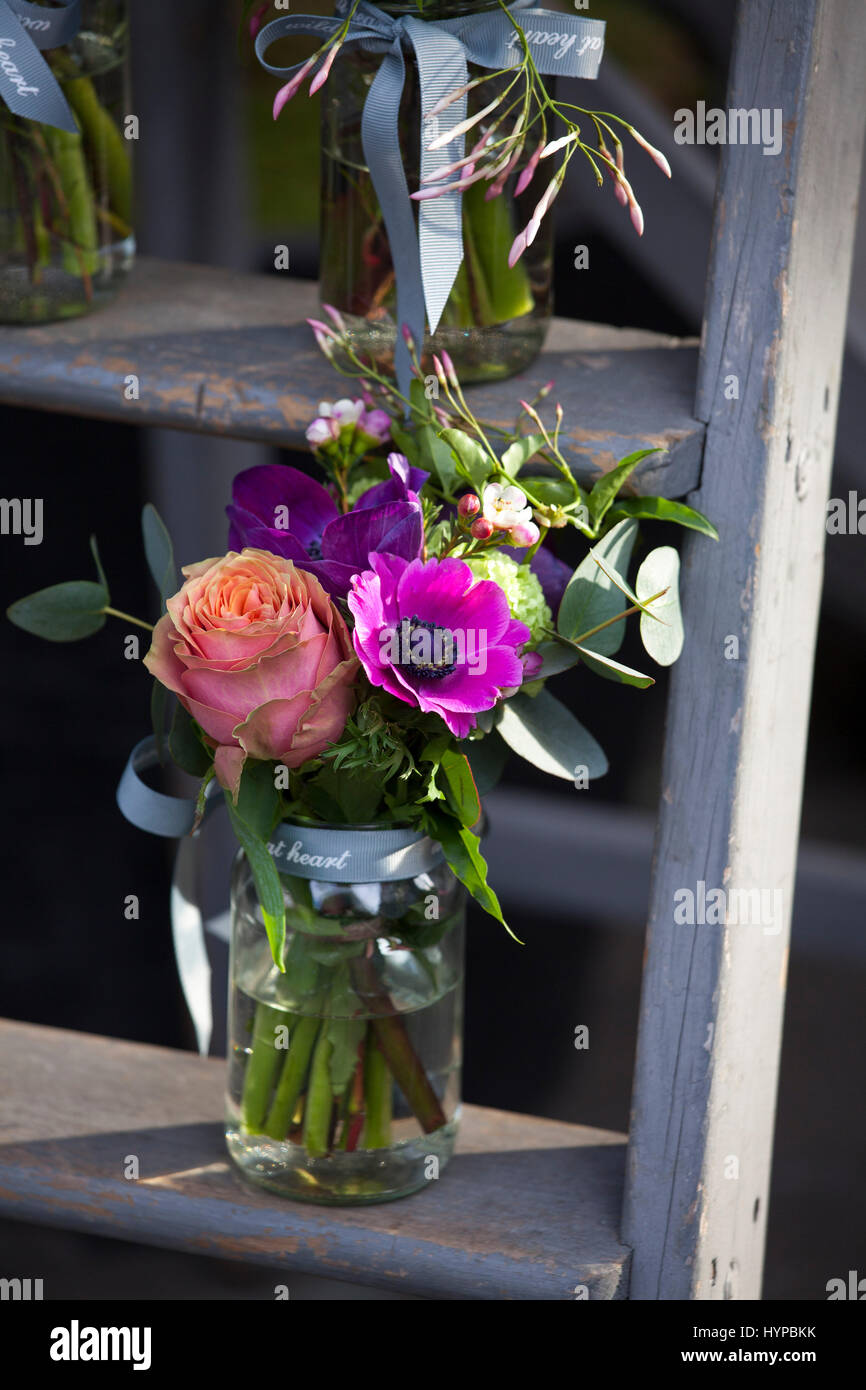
426,261
27,84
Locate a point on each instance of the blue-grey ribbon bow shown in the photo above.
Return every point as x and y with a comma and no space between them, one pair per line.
342,855
27,84
426,262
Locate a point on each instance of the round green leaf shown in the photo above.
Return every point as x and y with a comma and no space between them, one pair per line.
547,735
661,629
63,612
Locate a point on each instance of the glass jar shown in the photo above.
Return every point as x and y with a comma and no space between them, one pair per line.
495,320
66,239
344,1071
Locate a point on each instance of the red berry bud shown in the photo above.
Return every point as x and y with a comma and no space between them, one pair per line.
468,505
481,529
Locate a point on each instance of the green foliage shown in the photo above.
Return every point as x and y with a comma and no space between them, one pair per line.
662,509
159,552
661,629
185,744
605,490
63,612
592,598
472,461
267,882
520,452
546,734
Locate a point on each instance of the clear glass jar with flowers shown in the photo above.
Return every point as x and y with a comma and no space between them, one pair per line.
349,679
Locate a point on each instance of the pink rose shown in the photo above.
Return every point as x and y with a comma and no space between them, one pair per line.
257,653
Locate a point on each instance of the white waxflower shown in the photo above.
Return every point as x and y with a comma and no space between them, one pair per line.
504,507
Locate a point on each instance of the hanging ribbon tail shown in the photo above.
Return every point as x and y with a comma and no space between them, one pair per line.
190,951
381,142
174,817
442,69
27,84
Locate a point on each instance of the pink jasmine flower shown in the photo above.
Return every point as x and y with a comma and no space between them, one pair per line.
525,533
505,507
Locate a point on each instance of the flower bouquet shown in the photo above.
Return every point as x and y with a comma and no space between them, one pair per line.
351,676
444,151
65,171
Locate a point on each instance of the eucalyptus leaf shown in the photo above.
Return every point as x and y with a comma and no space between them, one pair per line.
547,735
159,552
94,550
606,488
661,630
63,612
663,509
614,670
521,451
592,598
556,657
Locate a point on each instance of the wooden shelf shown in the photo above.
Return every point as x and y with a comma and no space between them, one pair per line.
527,1209
226,353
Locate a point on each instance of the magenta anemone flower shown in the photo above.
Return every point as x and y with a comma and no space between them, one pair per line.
436,637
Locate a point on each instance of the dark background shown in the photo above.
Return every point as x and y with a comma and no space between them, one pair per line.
69,715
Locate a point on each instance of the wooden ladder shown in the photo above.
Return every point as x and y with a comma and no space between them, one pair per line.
530,1208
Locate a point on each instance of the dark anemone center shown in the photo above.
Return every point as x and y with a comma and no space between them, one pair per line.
314,549
426,649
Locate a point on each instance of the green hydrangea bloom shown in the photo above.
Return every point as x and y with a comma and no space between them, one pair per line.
521,587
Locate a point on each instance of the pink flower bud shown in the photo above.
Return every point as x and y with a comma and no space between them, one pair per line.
524,533
517,249
407,336
482,530
637,217
526,177
532,664
449,368
335,316
468,505
654,154
546,389
321,76
440,371
286,93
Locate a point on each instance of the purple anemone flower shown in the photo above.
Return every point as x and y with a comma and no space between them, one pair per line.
436,637
282,510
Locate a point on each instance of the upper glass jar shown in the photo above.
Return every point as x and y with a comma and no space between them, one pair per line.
344,1071
496,317
66,238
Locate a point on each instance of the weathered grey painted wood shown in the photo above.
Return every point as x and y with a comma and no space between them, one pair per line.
225,353
528,1209
705,1082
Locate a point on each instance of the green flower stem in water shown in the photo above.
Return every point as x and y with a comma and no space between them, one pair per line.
107,146
262,1066
292,1078
377,1093
80,251
503,293
320,1100
393,1039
